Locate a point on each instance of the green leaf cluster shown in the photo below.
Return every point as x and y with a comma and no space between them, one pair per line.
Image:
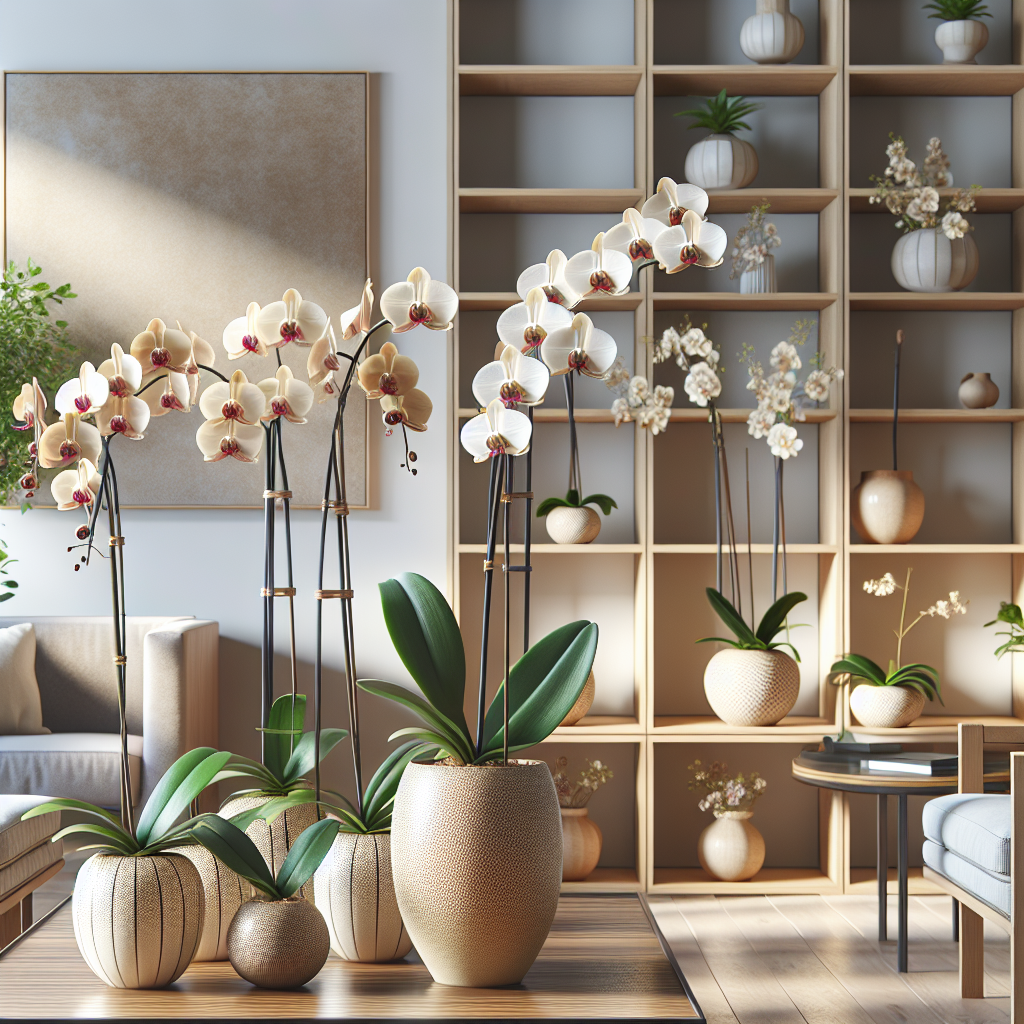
9,586
1011,615
722,114
957,10
543,684
572,500
772,623
916,676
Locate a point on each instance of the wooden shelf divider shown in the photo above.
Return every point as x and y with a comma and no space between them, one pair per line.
747,79
548,80
936,79
794,301
937,300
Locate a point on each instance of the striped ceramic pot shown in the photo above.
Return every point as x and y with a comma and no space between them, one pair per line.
138,919
223,893
772,35
927,261
721,161
961,41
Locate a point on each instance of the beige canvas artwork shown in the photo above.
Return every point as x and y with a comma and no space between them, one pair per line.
185,197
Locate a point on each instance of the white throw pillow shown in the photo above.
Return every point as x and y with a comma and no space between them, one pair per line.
20,709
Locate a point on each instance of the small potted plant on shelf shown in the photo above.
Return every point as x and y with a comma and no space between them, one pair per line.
752,259
893,699
772,35
730,848
1011,615
962,35
721,160
571,520
581,837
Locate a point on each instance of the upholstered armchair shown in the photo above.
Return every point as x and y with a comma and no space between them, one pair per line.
171,706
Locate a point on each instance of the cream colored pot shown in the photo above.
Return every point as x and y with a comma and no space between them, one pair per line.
581,844
751,687
927,261
978,391
730,848
223,893
721,161
567,525
961,41
584,702
886,707
887,507
772,35
278,943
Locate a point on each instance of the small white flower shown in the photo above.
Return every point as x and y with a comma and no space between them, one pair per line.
785,357
667,346
702,384
778,398
954,225
929,199
881,588
817,385
783,442
947,609
621,411
759,422
638,390
696,343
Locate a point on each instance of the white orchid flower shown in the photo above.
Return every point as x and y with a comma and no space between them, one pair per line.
128,416
286,396
291,319
202,354
84,394
68,440
412,410
671,201
526,324
515,379
122,372
29,406
599,270
161,348
241,336
581,347
167,392
387,373
783,442
232,410
693,242
634,236
357,319
549,276
419,300
321,365
496,431
77,487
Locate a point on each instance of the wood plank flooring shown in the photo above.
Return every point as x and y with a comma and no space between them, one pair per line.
817,960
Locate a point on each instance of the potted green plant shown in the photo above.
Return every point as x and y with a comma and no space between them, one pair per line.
721,160
476,838
753,682
571,520
1011,615
962,35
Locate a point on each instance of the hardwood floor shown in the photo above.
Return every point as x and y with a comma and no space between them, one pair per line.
817,960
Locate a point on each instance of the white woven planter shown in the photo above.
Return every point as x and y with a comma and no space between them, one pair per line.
572,525
772,35
760,278
886,707
928,261
961,41
721,161
751,687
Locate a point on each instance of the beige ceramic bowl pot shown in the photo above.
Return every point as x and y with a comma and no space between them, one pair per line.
572,525
476,854
730,848
886,707
887,507
751,687
278,943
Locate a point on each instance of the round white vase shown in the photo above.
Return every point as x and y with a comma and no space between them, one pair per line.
721,161
978,391
730,848
961,41
760,278
927,261
772,35
886,707
566,525
751,687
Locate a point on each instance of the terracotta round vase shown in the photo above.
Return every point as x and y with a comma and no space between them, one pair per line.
476,853
887,507
751,687
137,919
583,702
278,943
961,41
567,525
886,707
581,844
721,161
356,896
927,261
772,35
730,848
978,391
223,893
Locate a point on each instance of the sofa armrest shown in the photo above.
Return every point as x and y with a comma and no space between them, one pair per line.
179,694
970,757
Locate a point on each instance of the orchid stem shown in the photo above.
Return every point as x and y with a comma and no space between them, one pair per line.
775,531
495,487
507,502
527,538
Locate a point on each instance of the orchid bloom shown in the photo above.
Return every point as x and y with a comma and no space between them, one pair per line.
526,324
321,365
202,355
161,348
241,337
634,236
387,373
174,396
68,440
29,406
77,487
286,396
515,379
549,276
357,319
128,416
291,319
122,372
599,270
232,410
412,410
83,394
581,347
419,300
496,431
693,242
671,201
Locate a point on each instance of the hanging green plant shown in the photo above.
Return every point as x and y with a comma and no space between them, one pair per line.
572,500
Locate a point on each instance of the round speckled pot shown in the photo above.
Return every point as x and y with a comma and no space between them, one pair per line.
886,707
278,943
476,854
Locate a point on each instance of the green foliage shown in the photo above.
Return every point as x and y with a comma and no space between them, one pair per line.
8,586
543,685
722,114
922,678
1008,613
957,10
572,500
772,623
31,344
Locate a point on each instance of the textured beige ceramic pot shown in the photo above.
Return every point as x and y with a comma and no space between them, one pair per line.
730,848
223,893
572,525
772,35
274,840
721,161
279,943
581,844
886,707
583,704
887,507
476,854
356,895
978,391
751,687
137,919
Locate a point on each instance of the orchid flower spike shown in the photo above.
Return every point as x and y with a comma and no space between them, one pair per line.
357,320
321,365
285,396
671,201
634,236
599,271
76,487
549,276
68,440
83,394
515,379
526,324
419,300
232,410
291,319
496,431
693,242
580,347
387,373
159,348
242,337
29,406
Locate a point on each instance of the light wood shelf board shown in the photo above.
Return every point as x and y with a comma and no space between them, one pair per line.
937,300
745,79
935,79
558,549
698,415
795,728
757,549
932,728
864,882
938,415
684,415
606,880
502,300
547,200
783,200
542,415
936,549
613,728
988,200
767,882
734,300
548,79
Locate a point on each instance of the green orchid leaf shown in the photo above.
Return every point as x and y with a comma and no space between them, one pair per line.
64,804
284,727
551,503
860,668
272,809
605,503
724,609
384,770
719,640
784,643
305,855
236,851
772,620
572,497
432,717
167,787
386,786
303,759
428,736
120,841
350,821
179,801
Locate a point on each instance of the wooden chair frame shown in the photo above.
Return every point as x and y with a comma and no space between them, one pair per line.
974,912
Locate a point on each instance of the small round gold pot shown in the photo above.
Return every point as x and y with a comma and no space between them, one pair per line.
278,943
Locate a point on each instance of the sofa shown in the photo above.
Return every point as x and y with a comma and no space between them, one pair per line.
172,671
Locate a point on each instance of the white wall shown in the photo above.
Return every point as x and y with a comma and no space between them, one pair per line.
209,564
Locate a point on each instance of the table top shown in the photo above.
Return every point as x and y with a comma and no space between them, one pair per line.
851,778
604,958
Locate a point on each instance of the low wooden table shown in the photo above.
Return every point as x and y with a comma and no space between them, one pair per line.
605,958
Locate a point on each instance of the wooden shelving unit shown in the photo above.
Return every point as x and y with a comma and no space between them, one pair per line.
646,588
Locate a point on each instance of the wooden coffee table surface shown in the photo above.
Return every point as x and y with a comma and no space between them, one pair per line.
603,958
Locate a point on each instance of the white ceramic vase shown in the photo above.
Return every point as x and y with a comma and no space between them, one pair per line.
751,687
887,506
730,848
978,391
961,41
567,525
886,707
927,261
760,278
223,893
772,35
721,161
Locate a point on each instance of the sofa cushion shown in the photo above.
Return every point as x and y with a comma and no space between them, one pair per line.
20,708
17,836
77,765
990,888
976,826
24,868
